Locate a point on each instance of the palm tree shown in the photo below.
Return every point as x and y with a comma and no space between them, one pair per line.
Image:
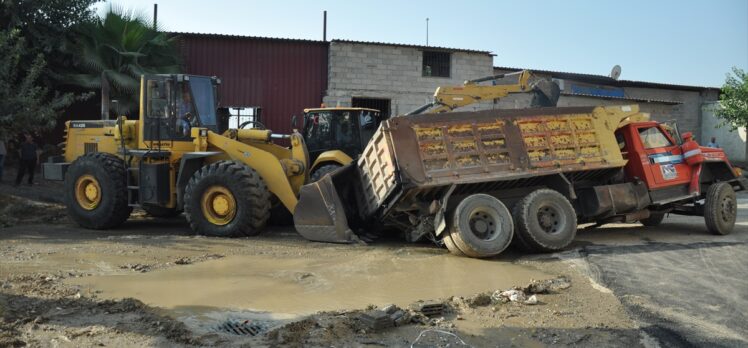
116,49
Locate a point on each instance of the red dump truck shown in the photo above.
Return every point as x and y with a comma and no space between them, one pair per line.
475,181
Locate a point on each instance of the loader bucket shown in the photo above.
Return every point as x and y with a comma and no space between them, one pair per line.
320,214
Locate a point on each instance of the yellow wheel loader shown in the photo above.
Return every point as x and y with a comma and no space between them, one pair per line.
176,158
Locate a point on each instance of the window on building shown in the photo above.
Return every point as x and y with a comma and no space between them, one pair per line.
436,64
383,105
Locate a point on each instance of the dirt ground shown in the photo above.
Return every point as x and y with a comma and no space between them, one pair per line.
153,283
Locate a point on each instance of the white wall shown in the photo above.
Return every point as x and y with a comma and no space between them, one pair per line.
733,142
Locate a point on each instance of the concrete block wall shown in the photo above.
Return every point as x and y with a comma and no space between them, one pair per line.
734,142
394,72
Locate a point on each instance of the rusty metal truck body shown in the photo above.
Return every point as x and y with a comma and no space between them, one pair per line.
417,173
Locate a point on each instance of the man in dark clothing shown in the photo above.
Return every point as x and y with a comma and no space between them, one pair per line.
29,155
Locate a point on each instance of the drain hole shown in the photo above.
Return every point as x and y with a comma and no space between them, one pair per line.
242,327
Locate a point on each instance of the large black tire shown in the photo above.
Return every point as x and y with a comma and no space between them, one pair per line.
481,226
450,244
720,208
322,171
109,209
243,185
160,212
654,219
545,221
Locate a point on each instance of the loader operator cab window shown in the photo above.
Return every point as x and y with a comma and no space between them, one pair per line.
186,115
318,133
652,137
159,98
203,93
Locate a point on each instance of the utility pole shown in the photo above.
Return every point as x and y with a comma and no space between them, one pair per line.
324,26
155,16
427,31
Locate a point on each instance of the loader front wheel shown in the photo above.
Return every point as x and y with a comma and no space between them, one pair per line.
227,199
720,208
96,191
481,226
546,221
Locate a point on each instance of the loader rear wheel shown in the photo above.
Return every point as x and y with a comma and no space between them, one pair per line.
95,191
481,226
720,208
322,171
546,221
227,199
160,212
654,219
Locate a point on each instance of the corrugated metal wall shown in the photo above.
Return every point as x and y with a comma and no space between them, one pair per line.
282,76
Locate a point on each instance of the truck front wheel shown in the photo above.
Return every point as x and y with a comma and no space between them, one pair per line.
720,208
546,221
481,226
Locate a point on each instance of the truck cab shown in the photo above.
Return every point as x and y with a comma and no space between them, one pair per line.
334,136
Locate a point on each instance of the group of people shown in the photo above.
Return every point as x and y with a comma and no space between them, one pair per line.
28,155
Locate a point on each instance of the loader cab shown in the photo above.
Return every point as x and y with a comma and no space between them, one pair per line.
173,104
344,129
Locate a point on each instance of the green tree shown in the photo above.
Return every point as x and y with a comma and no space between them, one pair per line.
25,105
734,100
32,38
121,46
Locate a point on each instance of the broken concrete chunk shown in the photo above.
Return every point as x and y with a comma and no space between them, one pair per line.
376,320
428,308
532,300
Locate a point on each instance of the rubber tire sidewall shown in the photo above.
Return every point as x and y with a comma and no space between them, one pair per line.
252,203
108,170
323,170
466,241
528,229
712,208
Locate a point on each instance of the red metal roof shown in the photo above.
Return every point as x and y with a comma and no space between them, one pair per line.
438,48
282,76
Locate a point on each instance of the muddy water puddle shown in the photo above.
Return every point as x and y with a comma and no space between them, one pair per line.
298,285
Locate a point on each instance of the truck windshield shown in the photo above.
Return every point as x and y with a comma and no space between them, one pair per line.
652,138
202,92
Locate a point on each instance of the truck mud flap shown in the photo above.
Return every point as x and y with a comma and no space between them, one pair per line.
320,214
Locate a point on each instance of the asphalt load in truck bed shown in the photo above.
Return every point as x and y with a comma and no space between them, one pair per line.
61,285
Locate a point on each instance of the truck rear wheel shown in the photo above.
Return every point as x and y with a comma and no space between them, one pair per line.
654,219
450,244
546,221
322,171
95,191
227,199
481,226
720,208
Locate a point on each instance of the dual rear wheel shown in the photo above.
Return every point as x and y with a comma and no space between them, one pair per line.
482,226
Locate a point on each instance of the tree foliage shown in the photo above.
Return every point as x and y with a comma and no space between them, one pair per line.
25,104
121,46
32,41
734,99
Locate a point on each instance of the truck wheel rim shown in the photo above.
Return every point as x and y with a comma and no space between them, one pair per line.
219,205
728,209
484,224
87,192
551,218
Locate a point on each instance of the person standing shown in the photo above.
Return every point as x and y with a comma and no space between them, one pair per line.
3,154
713,143
29,155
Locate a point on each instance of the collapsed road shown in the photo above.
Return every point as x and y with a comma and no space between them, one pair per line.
671,285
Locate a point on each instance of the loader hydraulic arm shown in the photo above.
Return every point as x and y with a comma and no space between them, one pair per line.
448,98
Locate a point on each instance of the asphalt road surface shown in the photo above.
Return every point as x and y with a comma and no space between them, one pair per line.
684,286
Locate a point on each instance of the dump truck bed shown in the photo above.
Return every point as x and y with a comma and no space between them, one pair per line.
421,152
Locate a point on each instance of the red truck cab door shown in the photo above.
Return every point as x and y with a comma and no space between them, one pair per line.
654,156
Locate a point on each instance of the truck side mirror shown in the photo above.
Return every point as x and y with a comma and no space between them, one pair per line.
293,121
687,136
